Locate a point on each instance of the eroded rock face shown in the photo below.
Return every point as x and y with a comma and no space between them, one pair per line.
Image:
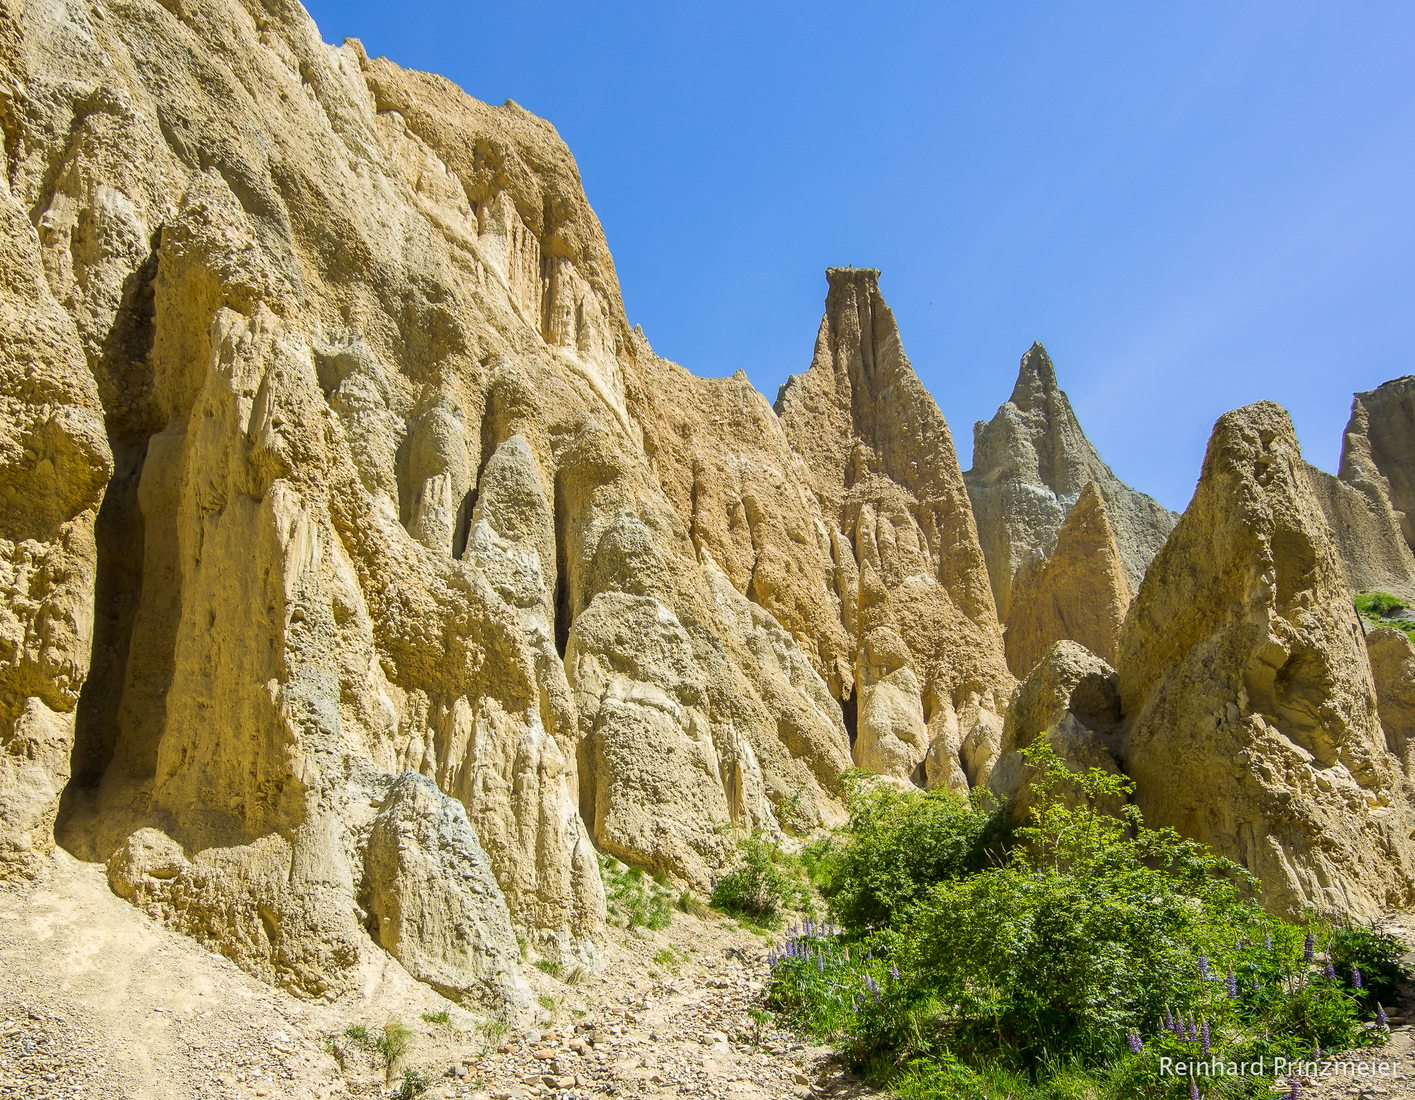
1393,670
438,908
1079,593
1250,709
1030,464
1377,450
54,463
364,572
908,570
318,388
1367,533
1072,700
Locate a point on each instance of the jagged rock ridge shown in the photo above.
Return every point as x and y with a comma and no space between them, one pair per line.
1031,462
366,574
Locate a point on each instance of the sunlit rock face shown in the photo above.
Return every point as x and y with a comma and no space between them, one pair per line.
366,575
908,568
1250,708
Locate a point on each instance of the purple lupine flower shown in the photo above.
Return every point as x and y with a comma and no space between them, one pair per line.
1206,1038
1329,972
820,963
1381,1021
1267,941
1203,966
1356,982
1317,1054
1168,1019
1193,1089
1232,985
1294,1089
1193,1032
1136,1043
894,972
1309,948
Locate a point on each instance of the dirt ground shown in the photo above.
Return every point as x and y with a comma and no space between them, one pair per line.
98,1000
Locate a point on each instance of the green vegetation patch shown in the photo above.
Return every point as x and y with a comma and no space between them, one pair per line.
634,899
1082,955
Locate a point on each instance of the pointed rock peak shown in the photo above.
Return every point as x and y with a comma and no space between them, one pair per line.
1080,593
1088,510
1240,646
1036,378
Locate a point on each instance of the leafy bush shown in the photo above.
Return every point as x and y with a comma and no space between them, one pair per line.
1369,962
899,844
764,885
414,1083
1089,950
634,899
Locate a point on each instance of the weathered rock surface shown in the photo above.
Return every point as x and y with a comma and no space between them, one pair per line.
1251,720
327,442
1366,530
364,573
909,572
1393,670
1378,449
1031,462
437,907
1079,593
1072,700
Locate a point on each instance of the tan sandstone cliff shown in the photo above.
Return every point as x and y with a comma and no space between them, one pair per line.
366,575
1080,593
325,445
1250,710
909,571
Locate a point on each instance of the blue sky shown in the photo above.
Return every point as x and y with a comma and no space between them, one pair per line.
1193,205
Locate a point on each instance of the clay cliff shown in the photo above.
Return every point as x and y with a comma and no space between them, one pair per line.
366,576
326,468
1367,503
928,666
1031,462
1080,593
1249,704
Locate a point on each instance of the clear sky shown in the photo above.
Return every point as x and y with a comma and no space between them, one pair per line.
1193,204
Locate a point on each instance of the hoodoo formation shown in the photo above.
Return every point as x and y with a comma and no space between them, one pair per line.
366,576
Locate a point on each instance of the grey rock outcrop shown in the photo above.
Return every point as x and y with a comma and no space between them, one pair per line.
1030,463
437,906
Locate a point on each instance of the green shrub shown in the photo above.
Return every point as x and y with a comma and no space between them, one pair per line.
414,1083
394,1043
765,884
896,846
1069,966
1373,958
634,899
